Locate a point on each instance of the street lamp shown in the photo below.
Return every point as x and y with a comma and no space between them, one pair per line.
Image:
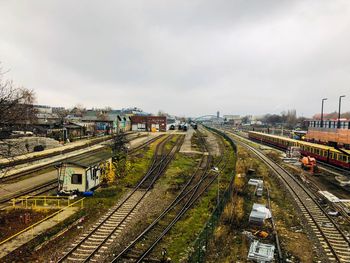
339,110
322,112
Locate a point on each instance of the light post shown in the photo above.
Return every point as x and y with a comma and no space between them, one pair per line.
322,112
340,97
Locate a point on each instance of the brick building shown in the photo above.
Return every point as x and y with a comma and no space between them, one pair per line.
148,123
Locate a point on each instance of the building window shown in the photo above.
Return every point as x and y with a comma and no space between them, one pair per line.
77,179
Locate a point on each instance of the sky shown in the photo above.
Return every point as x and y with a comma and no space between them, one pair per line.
188,58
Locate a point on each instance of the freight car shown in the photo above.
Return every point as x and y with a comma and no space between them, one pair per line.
327,154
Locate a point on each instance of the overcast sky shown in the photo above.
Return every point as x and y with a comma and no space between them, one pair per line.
184,57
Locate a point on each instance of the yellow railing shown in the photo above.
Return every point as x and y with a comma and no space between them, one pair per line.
34,201
81,201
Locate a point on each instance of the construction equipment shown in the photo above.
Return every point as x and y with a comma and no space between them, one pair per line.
309,163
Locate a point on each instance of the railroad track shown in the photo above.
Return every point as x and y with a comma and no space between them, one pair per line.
81,155
51,185
201,179
322,164
55,152
91,245
333,241
37,190
153,234
145,144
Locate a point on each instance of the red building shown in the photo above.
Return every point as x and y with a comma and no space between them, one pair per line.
148,123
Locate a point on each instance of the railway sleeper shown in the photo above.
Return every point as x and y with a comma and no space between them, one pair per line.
87,246
93,242
335,237
96,238
80,254
111,224
343,253
74,259
103,230
85,250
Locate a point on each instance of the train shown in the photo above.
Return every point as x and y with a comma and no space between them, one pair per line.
323,153
194,125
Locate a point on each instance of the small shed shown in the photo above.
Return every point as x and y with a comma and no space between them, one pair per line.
260,252
84,174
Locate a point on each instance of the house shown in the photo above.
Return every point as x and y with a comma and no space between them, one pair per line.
45,116
107,121
234,120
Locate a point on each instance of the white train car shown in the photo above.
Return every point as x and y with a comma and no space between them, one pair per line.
84,175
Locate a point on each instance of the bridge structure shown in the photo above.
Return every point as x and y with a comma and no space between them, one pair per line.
209,118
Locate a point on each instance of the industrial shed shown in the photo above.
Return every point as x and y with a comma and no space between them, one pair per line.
85,174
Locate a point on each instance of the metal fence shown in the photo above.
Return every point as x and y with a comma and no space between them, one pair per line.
199,249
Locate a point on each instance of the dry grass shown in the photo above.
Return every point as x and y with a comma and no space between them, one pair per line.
228,243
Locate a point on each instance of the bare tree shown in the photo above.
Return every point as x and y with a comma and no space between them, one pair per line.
16,109
78,110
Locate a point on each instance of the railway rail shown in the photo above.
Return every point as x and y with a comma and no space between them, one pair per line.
37,190
90,245
340,207
321,163
153,234
199,182
55,151
81,155
333,240
51,185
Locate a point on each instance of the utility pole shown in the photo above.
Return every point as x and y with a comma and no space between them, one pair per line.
340,97
322,112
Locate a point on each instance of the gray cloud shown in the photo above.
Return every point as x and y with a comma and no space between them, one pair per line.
185,57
